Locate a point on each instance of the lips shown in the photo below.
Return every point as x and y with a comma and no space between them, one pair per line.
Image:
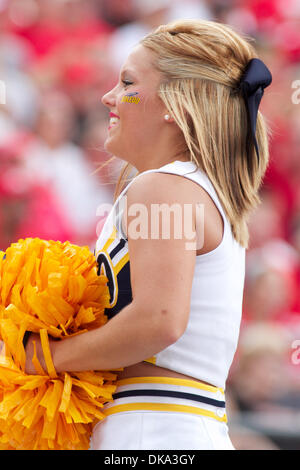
113,120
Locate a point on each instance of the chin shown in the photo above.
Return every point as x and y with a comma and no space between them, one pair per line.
108,145
112,149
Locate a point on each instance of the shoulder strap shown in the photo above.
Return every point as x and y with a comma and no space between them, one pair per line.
177,167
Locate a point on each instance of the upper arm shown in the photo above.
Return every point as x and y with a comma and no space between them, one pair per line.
161,261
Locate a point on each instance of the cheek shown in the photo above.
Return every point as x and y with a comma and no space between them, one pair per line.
131,110
139,111
132,102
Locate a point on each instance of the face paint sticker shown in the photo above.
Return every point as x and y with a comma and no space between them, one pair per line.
131,98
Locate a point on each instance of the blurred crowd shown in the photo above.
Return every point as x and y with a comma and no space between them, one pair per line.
57,59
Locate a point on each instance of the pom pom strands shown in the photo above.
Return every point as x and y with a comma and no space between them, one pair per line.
50,288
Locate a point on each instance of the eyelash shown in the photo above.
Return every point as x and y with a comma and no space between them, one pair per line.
126,82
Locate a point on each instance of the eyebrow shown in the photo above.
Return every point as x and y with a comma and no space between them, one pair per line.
131,72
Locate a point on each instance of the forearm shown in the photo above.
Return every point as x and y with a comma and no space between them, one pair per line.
128,338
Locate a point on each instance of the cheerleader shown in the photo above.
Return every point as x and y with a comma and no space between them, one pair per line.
184,114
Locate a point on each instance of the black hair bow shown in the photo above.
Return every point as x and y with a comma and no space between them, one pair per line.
255,79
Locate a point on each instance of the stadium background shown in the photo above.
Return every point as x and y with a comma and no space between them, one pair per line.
57,58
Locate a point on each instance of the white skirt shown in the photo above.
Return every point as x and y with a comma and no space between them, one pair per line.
163,413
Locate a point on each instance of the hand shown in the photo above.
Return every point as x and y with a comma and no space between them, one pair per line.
29,367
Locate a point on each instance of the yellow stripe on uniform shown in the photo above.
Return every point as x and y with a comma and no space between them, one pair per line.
163,407
170,381
152,360
121,263
110,239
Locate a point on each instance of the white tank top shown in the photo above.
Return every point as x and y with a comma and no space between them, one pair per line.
206,349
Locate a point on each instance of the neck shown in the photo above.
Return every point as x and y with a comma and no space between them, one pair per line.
161,161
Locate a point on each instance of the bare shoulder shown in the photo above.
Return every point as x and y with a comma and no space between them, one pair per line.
172,190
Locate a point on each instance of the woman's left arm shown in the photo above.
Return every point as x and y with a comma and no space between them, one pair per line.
162,272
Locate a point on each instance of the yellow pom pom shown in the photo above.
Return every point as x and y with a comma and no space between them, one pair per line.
51,288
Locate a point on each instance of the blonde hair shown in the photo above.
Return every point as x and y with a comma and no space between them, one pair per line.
201,63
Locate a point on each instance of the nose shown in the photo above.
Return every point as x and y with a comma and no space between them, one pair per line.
109,99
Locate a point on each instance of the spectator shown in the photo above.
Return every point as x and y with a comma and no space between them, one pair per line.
54,160
15,55
148,15
271,287
27,208
260,379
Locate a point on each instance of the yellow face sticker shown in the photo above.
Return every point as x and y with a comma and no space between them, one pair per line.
131,98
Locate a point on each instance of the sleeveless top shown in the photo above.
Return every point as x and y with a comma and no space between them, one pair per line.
206,349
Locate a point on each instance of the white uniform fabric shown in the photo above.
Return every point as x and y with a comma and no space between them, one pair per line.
163,422
206,349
